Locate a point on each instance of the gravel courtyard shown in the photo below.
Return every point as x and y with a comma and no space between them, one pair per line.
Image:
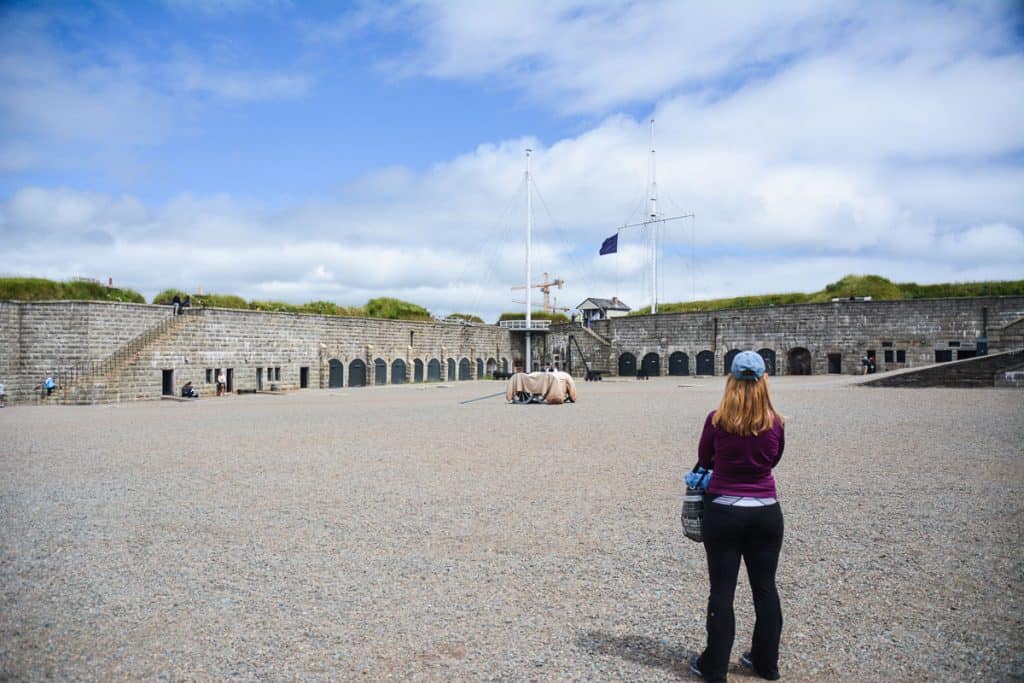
396,533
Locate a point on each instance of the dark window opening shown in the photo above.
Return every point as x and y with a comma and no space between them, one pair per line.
886,345
943,355
209,375
954,344
901,356
889,355
835,363
303,378
168,383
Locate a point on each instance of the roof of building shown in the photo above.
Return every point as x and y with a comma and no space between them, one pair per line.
613,304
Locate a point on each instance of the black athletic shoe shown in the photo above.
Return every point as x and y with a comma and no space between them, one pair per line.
695,666
747,662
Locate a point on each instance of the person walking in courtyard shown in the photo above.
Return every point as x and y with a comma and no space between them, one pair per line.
49,385
741,443
222,383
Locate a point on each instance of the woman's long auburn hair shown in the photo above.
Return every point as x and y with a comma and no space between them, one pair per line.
746,408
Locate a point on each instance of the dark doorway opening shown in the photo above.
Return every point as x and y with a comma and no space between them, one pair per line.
479,368
627,365
678,364
835,363
231,379
727,362
706,363
168,383
464,369
357,373
303,378
799,360
380,371
965,353
335,374
259,379
769,360
417,370
451,369
943,355
398,371
434,370
651,364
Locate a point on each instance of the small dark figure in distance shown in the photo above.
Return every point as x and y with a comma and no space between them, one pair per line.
642,374
189,391
501,374
186,304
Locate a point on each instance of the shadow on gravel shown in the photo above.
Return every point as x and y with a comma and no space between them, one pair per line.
640,649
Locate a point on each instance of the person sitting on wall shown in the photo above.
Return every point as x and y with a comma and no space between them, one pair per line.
49,384
175,304
185,304
189,391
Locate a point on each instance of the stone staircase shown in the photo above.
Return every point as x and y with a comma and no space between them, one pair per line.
993,370
595,347
99,381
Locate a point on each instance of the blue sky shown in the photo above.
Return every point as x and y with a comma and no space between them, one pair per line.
300,151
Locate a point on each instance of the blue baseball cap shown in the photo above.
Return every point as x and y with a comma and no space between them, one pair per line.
748,365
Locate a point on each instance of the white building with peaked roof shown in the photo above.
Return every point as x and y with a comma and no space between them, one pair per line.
602,309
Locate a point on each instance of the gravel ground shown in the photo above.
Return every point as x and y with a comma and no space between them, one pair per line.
396,533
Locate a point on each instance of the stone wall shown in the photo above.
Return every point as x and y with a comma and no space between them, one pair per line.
145,341
846,329
987,371
53,337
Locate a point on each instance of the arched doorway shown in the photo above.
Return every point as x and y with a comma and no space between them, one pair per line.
492,365
651,364
417,370
479,368
335,374
398,370
451,369
627,365
434,370
706,362
727,362
798,361
380,371
504,364
769,360
357,373
464,369
678,364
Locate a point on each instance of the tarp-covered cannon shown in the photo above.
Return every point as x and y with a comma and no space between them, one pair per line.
541,387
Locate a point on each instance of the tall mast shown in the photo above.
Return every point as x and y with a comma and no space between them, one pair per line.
529,278
652,215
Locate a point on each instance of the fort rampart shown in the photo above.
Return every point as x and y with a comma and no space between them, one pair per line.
101,351
799,338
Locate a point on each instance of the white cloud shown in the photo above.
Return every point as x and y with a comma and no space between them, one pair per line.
810,140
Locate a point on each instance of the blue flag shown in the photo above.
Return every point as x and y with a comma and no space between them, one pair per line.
610,245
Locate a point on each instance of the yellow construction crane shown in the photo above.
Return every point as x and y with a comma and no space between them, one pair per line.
545,288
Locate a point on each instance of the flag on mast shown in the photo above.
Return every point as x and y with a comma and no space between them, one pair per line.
610,245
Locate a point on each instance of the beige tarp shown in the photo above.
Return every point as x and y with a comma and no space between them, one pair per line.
553,387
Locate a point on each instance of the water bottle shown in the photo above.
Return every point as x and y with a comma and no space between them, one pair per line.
693,513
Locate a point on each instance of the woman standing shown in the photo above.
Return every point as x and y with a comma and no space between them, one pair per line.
742,441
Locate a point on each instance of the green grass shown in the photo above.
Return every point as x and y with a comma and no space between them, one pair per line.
536,315
875,286
41,289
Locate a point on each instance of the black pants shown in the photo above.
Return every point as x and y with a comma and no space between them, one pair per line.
755,534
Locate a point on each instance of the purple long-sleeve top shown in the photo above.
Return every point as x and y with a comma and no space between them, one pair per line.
742,464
